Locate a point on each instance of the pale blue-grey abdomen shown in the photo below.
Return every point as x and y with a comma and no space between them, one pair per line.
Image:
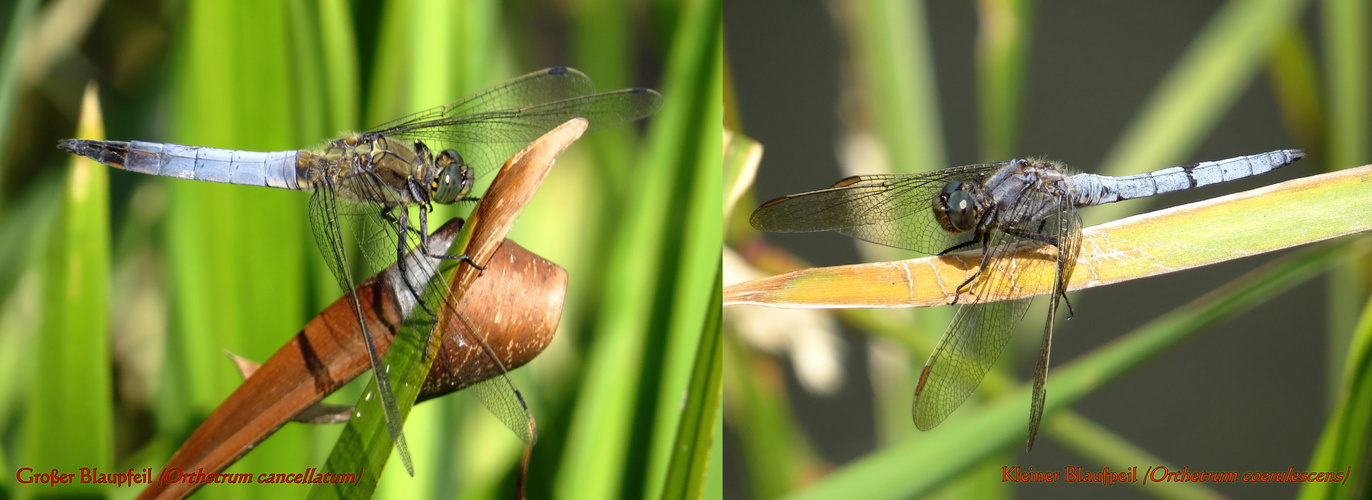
275,169
1091,189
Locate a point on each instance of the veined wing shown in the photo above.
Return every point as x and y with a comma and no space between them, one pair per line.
1067,226
327,213
379,229
542,86
490,126
497,393
980,330
891,210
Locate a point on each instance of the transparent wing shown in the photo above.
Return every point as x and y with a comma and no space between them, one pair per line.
967,350
487,128
891,210
980,330
1066,227
497,393
326,222
542,86
384,233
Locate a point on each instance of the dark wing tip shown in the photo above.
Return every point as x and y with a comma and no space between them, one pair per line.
557,70
653,97
847,181
773,202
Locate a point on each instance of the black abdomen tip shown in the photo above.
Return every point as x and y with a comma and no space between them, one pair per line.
71,145
112,153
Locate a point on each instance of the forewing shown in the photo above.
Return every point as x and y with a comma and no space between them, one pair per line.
546,85
980,330
486,139
490,126
891,210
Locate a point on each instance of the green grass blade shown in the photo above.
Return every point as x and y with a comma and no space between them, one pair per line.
656,292
24,235
603,47
896,63
1069,429
1293,76
694,243
686,476
1003,44
11,63
1098,445
1346,42
338,46
73,346
1342,445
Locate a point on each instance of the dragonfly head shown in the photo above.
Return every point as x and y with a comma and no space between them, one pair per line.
955,209
454,180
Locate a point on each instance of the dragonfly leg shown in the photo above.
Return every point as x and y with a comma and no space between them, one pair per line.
1032,235
1047,240
461,258
402,222
424,243
985,257
424,226
959,246
982,235
957,294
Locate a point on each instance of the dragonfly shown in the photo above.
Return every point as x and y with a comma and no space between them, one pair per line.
998,208
372,179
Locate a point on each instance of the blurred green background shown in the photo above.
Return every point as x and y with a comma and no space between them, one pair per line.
818,402
119,291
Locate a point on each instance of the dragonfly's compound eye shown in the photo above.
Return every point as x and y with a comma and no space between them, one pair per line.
454,181
954,208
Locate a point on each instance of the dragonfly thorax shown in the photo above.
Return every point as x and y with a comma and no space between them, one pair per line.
373,168
454,180
954,208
